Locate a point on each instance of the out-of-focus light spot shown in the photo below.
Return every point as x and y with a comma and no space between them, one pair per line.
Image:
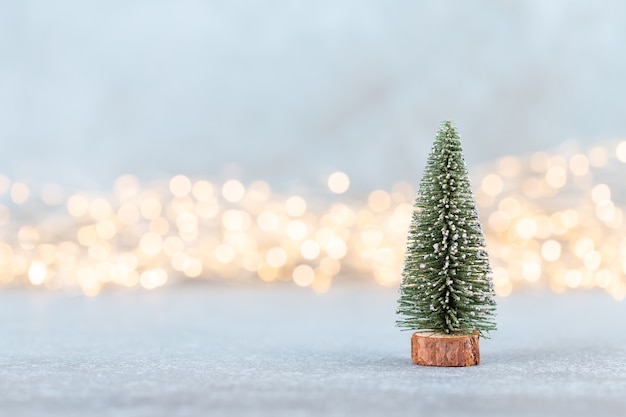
276,257
603,278
372,237
569,218
150,208
579,164
19,193
78,205
233,191
179,260
100,209
338,182
295,206
99,251
539,161
6,253
605,210
202,190
499,221
160,226
384,267
509,166
600,193
504,290
296,230
224,253
28,237
330,266
5,214
500,276
236,220
173,245
127,261
556,176
106,229
336,248
531,271
5,183
303,275
551,250
151,244
592,260
573,278
252,261
128,214
532,187
37,273
87,235
267,221
544,227
153,278
52,194
526,228
501,282
193,268
187,223
180,185
207,209
127,187
511,206
258,192
583,246
620,152
598,157
310,249
379,201
492,184
267,273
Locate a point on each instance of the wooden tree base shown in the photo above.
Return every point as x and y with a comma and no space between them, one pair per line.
434,349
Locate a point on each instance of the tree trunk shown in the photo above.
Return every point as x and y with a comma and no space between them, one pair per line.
435,349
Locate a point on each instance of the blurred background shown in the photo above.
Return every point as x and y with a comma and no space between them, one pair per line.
150,142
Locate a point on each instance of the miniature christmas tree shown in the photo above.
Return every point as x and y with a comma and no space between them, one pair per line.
446,285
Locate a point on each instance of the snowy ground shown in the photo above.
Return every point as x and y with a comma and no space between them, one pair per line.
278,351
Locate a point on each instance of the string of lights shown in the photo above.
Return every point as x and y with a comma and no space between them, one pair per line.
551,220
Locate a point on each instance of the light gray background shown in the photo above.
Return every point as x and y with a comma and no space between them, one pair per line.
291,90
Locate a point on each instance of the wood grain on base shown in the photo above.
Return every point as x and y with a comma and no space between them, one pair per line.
434,349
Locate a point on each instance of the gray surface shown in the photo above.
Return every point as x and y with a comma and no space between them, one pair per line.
279,351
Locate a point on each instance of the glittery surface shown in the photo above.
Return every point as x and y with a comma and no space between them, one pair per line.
281,351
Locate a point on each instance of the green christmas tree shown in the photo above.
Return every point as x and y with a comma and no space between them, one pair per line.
446,282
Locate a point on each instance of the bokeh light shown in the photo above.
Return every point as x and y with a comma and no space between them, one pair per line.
550,220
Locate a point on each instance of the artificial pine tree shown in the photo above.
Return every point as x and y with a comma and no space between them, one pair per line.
446,293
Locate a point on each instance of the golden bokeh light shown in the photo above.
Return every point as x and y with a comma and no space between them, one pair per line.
19,192
579,164
620,151
338,182
233,191
295,206
551,220
276,257
202,190
303,275
180,185
37,272
492,184
379,201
